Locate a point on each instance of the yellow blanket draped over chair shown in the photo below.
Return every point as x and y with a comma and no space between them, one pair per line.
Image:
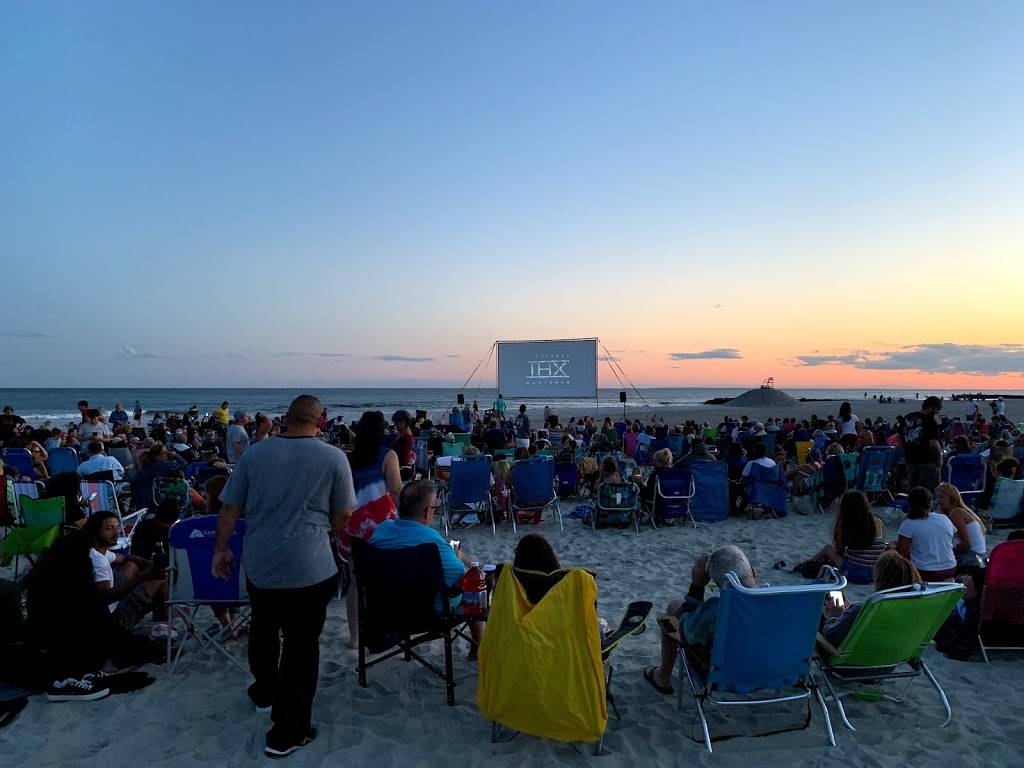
540,664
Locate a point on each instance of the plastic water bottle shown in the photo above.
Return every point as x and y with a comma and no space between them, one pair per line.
474,591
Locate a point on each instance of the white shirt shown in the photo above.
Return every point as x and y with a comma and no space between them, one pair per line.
764,461
100,429
976,535
848,427
101,463
1000,407
931,542
102,570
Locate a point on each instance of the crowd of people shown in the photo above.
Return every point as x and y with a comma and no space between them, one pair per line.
304,501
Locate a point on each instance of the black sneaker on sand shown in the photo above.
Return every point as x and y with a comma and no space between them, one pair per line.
262,706
71,689
277,747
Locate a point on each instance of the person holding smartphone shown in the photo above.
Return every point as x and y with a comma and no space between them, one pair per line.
891,570
131,586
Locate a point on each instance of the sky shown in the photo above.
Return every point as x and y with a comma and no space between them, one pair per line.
371,193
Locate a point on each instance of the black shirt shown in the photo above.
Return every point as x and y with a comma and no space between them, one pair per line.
919,430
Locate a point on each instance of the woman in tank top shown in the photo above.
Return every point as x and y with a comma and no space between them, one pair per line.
969,542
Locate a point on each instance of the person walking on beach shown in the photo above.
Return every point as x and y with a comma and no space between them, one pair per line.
297,494
499,407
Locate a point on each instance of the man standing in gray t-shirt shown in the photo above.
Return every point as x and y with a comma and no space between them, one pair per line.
297,495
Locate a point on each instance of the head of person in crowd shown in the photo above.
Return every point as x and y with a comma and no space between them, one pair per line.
892,570
534,553
418,501
661,459
919,503
303,415
729,558
369,437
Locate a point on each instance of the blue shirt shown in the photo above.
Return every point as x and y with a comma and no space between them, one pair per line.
399,533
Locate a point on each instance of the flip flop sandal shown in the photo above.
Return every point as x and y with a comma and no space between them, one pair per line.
649,677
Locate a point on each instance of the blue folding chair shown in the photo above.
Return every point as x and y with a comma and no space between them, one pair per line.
565,476
533,489
204,473
21,460
469,491
191,585
967,473
673,489
766,488
616,504
62,460
876,462
676,443
193,468
764,641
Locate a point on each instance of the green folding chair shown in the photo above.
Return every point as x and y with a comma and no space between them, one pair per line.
465,438
892,630
38,527
453,449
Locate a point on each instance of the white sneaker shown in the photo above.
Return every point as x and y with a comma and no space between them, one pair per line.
71,689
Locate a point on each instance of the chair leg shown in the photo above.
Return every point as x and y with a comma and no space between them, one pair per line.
942,694
984,652
703,724
449,673
558,514
362,662
839,702
824,713
608,691
495,732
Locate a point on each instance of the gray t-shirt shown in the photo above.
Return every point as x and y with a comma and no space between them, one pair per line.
288,488
236,434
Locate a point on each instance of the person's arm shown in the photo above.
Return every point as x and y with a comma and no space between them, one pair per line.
392,475
339,518
343,494
222,557
903,546
962,534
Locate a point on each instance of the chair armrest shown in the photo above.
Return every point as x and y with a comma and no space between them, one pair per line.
824,646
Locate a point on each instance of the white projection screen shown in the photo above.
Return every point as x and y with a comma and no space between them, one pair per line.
547,369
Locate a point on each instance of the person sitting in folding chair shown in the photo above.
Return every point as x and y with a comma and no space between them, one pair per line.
417,505
130,586
693,617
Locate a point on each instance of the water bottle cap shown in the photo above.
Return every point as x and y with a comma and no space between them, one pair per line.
474,564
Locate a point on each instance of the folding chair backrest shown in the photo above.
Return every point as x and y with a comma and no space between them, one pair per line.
420,449
26,489
398,589
106,497
767,486
1002,599
966,472
540,661
675,444
618,496
875,464
711,484
21,460
896,625
1018,453
642,453
62,460
204,473
463,437
123,455
533,479
833,477
42,513
674,487
849,461
1006,499
174,488
452,449
190,556
769,438
470,480
565,472
764,636
802,448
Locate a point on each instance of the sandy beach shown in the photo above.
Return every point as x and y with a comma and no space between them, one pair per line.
202,716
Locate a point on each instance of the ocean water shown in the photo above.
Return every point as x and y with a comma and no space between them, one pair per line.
59,405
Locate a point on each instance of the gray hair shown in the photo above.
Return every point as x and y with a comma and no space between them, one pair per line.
727,558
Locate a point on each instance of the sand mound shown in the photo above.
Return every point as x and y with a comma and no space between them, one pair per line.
763,397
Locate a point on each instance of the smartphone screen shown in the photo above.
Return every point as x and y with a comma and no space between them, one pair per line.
92,497
837,598
455,543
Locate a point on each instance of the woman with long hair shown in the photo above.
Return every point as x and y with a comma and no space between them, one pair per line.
858,540
969,542
926,538
378,482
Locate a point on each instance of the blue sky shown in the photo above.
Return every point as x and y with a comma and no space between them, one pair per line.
260,193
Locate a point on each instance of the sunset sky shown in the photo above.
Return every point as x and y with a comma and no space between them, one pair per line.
340,193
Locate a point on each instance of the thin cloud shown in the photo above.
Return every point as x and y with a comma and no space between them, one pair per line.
449,356
719,306
132,352
724,353
401,359
25,335
608,359
980,359
312,354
